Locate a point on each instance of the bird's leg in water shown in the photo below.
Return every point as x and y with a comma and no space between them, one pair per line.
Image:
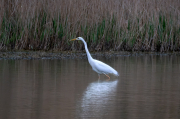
107,76
98,76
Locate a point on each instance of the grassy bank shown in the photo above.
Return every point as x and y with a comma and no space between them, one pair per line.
131,25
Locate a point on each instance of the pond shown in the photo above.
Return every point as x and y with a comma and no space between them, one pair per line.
148,88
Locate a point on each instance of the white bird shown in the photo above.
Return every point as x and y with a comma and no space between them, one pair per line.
97,66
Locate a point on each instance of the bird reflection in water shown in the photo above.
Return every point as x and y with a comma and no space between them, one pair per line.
98,97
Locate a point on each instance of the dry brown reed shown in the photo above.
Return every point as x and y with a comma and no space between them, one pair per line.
141,25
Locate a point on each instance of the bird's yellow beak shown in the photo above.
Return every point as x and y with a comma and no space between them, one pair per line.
73,39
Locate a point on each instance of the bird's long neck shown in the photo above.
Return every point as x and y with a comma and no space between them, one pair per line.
87,51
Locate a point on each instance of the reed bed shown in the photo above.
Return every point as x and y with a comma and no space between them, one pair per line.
118,25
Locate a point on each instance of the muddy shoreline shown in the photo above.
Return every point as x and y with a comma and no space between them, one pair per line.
73,55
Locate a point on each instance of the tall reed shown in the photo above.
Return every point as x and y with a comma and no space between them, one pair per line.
134,25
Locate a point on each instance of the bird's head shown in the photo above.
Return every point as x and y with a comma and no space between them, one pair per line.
78,38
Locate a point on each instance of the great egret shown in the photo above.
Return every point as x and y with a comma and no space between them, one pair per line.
97,66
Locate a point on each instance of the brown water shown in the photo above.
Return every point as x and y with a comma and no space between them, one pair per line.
148,88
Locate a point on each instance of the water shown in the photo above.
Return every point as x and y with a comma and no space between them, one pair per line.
148,88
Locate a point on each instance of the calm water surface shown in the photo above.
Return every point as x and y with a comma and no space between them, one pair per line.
148,88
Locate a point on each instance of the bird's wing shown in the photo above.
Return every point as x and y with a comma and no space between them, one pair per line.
104,68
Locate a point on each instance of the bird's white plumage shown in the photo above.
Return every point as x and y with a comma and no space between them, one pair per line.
103,68
98,66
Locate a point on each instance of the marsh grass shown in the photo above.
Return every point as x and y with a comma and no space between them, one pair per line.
132,25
